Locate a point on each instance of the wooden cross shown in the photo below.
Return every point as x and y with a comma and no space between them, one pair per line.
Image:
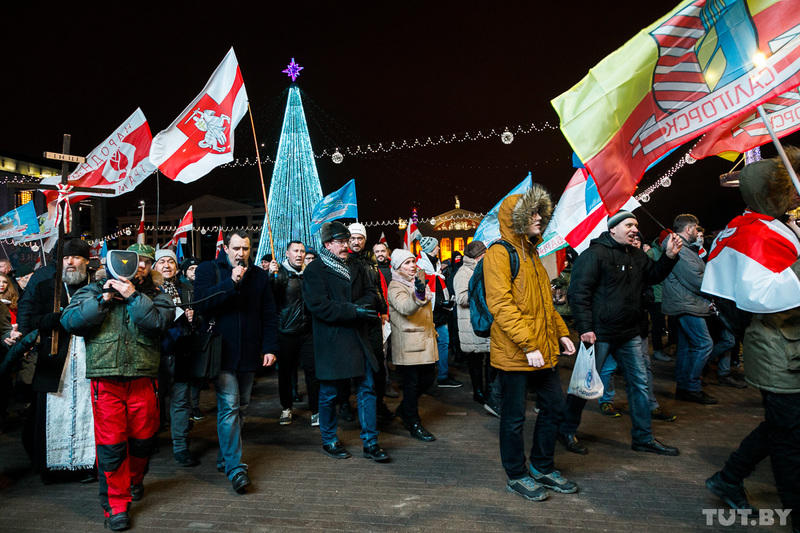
65,159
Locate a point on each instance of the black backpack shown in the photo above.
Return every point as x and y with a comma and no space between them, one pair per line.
479,316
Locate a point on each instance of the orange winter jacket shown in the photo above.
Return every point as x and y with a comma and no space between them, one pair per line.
524,317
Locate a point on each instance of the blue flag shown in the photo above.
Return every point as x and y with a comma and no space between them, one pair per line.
19,221
179,252
104,251
339,204
489,229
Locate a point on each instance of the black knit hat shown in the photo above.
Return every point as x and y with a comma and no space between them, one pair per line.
77,247
186,263
621,215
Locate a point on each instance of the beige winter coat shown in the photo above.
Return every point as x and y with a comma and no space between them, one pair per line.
470,343
413,334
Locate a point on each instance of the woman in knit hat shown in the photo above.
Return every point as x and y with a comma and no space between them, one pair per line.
413,338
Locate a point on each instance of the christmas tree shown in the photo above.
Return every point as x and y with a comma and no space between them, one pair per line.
295,188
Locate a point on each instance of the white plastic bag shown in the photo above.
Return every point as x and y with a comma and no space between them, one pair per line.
585,381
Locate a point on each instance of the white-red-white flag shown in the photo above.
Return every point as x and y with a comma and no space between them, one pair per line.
382,240
751,262
186,225
140,234
412,234
220,242
120,162
201,138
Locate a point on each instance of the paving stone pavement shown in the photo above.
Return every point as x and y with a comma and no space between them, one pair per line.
453,484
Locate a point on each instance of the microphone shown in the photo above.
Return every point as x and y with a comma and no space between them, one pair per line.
240,263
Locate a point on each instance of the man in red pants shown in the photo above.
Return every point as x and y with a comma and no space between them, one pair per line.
122,321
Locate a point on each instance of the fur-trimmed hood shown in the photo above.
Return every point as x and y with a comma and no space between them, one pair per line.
766,186
515,213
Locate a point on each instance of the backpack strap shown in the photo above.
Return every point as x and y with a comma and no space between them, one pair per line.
513,257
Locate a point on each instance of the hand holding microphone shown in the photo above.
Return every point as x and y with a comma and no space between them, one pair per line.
238,271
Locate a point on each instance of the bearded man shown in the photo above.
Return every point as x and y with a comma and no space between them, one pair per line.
60,404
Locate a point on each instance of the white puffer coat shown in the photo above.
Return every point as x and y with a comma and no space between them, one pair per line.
470,343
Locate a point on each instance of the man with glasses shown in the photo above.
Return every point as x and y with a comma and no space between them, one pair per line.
343,304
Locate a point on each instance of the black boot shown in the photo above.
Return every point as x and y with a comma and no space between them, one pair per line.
479,396
475,365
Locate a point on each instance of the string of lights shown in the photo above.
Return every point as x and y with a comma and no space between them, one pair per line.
666,179
337,154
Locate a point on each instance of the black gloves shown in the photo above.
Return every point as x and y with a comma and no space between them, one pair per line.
364,313
419,285
448,304
50,321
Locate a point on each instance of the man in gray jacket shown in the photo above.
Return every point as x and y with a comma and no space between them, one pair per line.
682,298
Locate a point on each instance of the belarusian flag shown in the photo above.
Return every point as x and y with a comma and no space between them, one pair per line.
201,138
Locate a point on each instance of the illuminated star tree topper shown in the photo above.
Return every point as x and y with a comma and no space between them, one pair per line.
293,70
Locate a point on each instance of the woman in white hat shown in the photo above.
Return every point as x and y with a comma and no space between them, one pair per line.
413,338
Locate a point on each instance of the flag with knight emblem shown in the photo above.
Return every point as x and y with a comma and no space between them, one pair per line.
201,138
120,162
704,63
783,113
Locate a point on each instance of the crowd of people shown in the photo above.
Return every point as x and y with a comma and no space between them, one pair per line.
107,359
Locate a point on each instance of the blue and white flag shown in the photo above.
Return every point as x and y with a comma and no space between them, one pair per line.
489,229
338,204
19,221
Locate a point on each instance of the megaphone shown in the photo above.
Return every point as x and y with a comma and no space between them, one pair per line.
122,264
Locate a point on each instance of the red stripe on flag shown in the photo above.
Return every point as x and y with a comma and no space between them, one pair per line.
750,235
585,228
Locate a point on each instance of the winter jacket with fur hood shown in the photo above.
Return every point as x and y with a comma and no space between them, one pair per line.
771,345
524,317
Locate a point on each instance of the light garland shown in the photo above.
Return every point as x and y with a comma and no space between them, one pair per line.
507,136
666,179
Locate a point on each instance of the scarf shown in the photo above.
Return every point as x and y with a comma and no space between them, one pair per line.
400,278
334,263
170,288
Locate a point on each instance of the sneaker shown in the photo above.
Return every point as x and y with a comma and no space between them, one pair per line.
185,458
449,383
659,355
492,408
527,488
240,482
608,409
553,481
197,414
315,420
660,414
729,381
118,522
391,392
695,396
733,495
286,417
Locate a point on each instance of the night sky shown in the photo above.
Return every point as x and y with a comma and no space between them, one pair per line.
374,72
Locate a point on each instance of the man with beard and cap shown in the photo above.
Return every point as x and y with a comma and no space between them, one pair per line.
605,294
525,338
122,322
360,253
443,304
238,299
175,378
755,264
343,303
59,433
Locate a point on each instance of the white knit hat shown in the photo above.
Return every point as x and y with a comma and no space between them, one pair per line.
357,228
166,252
399,257
428,244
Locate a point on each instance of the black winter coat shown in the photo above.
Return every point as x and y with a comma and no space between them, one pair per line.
605,290
341,340
38,306
293,317
244,313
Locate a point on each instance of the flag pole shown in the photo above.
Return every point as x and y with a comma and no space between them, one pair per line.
44,255
263,186
779,147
